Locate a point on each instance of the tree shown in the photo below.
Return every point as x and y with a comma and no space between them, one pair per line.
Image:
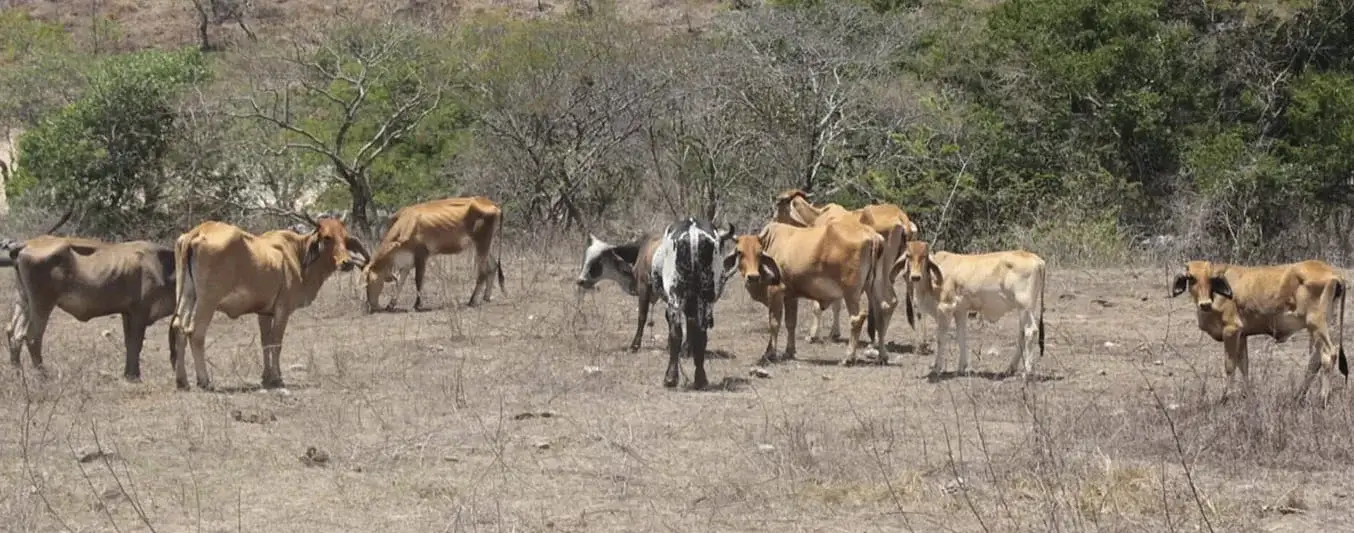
561,104
345,101
105,152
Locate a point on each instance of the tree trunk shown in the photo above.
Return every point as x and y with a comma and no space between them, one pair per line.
359,218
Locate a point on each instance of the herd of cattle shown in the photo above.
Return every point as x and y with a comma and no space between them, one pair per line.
826,254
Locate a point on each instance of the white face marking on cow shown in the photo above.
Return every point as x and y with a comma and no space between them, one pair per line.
594,268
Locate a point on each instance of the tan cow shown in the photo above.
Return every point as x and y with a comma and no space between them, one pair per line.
836,261
446,226
1234,302
793,207
949,286
88,279
224,268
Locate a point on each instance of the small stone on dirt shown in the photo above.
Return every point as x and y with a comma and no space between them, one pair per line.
542,445
537,414
1102,372
591,370
451,459
1067,296
827,377
252,416
760,372
766,448
298,367
92,454
314,457
1158,362
1109,344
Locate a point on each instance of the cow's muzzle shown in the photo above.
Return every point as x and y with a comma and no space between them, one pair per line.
347,266
1206,305
916,278
585,284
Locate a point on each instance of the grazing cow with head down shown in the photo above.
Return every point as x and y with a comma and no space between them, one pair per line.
446,226
88,279
224,268
688,276
793,208
1234,302
832,262
626,264
949,286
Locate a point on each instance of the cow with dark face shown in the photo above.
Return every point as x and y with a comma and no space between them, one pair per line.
688,274
626,264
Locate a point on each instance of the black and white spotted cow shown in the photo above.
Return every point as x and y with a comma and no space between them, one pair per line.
688,274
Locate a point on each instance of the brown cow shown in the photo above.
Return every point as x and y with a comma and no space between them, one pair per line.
836,261
446,226
626,264
793,207
1234,302
950,286
224,268
88,279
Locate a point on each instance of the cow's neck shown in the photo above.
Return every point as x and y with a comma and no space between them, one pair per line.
804,212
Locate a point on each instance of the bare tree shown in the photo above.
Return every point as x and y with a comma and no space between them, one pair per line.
218,12
347,100
560,108
810,90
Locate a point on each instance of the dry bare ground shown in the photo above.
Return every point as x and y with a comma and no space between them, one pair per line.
528,415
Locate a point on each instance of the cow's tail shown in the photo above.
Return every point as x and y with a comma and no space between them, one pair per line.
1043,284
185,281
498,253
9,253
878,247
1336,288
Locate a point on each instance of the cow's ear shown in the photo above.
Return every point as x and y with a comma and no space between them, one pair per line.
731,260
770,271
312,253
937,278
1220,286
1178,287
901,265
623,266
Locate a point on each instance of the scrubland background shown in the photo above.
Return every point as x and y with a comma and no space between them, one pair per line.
1113,137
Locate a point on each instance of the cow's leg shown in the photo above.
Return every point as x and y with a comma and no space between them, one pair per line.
1321,361
836,333
17,332
942,340
1232,345
961,336
696,338
38,316
883,316
196,333
402,273
791,317
271,330
857,322
1024,349
675,323
133,337
774,308
815,328
420,268
644,305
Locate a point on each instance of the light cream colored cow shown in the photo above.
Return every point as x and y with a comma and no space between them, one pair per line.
948,286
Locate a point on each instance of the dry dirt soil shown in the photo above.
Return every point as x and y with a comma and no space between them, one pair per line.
528,414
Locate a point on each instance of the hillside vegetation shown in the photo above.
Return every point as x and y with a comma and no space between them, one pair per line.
1073,128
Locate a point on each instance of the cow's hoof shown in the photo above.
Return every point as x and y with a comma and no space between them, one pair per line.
181,384
273,383
847,362
699,384
634,347
814,340
203,384
132,378
787,356
670,383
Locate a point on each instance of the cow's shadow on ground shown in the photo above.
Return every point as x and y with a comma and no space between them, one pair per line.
889,346
989,375
241,388
728,384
